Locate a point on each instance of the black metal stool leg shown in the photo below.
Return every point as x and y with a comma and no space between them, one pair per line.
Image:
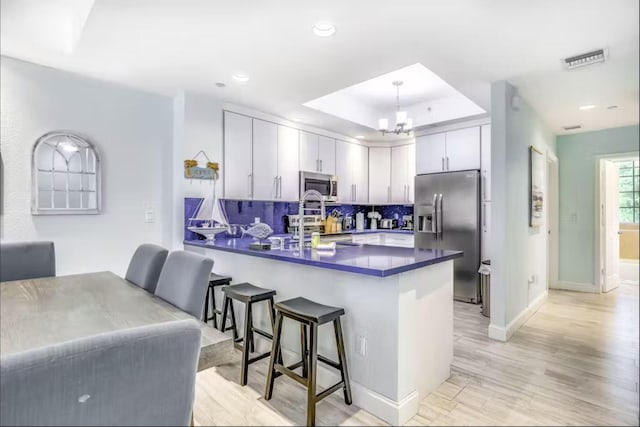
304,351
275,349
312,368
205,316
342,357
246,345
272,315
233,319
213,307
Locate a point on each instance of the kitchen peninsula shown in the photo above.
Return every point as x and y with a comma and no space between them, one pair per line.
399,312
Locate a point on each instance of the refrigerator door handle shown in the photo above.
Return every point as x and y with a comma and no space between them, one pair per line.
434,215
439,216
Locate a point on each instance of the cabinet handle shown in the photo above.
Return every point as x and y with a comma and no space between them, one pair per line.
355,192
389,194
280,185
250,176
443,163
484,216
484,185
275,187
320,165
447,163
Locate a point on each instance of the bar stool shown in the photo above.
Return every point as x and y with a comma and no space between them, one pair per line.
210,298
310,315
249,295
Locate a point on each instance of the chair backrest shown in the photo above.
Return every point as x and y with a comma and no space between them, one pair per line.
27,260
146,265
184,281
139,376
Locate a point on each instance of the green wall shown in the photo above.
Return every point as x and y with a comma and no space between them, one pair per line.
577,156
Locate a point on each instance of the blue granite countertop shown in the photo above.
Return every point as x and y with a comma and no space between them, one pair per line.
371,260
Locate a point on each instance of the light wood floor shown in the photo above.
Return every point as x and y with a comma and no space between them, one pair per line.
575,362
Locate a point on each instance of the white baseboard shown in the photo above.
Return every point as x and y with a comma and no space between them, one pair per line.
574,286
501,333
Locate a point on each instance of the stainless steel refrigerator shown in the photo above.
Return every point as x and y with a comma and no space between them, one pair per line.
447,216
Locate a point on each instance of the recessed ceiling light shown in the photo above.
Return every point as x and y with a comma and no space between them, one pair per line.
324,29
220,84
612,107
360,136
297,119
587,107
240,77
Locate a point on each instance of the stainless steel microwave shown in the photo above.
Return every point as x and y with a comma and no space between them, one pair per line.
325,184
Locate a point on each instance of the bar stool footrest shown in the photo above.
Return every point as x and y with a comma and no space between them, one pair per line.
329,362
329,390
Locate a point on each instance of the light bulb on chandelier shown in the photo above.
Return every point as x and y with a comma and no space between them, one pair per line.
404,124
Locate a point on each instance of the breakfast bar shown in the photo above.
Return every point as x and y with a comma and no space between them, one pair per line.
398,325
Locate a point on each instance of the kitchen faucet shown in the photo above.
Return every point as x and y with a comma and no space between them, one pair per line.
308,195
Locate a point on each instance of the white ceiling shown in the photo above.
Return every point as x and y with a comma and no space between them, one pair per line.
425,96
166,46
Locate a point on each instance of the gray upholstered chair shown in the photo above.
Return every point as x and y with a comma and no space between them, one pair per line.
27,260
146,265
140,376
184,281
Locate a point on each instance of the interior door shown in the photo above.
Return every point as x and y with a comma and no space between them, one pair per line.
610,227
430,153
237,166
327,154
265,159
309,152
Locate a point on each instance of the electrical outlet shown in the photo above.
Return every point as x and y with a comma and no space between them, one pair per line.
149,216
256,220
573,218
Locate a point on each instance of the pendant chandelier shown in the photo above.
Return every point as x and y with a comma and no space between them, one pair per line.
403,123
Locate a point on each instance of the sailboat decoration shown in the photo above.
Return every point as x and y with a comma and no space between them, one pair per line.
212,215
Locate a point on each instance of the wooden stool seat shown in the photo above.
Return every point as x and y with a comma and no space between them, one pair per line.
310,315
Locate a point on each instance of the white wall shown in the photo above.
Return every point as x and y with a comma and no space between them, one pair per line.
519,252
133,131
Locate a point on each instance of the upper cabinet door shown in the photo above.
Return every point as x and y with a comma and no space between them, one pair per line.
265,160
344,171
463,149
411,171
430,153
398,173
327,155
485,161
237,166
288,176
380,175
361,172
309,152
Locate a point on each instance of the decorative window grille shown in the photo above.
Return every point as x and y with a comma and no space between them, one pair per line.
65,175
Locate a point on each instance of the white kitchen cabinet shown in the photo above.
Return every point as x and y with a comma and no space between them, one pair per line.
485,161
344,172
327,154
402,173
288,174
265,160
431,152
309,152
317,153
367,239
398,240
463,149
380,175
360,158
238,163
485,246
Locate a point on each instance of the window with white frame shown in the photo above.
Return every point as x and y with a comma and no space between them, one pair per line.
629,182
66,175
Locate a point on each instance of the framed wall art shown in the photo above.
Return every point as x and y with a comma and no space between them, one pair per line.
536,187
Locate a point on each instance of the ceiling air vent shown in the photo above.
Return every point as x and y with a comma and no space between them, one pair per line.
574,127
589,58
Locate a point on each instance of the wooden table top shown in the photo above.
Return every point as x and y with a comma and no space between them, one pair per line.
39,312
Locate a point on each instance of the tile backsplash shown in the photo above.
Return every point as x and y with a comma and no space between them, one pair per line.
244,212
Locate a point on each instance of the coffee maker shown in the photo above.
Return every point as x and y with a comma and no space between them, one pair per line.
407,222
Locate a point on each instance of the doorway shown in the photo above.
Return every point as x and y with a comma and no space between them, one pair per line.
617,216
